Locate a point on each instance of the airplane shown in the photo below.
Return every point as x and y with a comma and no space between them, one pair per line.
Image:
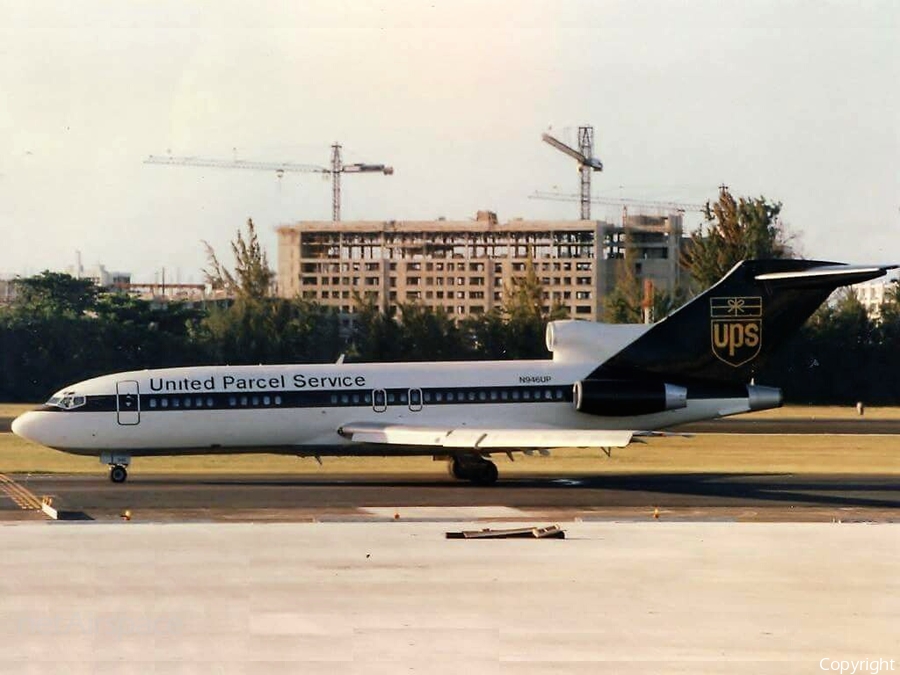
605,386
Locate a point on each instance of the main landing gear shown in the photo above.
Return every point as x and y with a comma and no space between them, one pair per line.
474,468
118,473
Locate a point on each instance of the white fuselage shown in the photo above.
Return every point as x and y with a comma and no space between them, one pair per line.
299,409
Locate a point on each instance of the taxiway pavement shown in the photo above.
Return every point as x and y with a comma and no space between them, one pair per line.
766,497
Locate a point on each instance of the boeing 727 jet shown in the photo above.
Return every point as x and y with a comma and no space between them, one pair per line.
605,385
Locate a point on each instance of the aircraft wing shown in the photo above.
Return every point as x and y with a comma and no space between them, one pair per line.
483,439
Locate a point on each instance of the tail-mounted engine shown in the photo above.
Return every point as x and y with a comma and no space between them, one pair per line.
621,398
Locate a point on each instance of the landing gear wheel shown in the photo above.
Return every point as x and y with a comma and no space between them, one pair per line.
484,474
458,469
118,474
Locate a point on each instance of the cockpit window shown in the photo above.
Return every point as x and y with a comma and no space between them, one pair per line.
67,400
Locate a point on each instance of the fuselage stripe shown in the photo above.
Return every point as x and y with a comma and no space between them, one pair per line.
337,398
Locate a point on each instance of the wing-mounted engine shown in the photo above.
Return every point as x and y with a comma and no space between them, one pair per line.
621,398
578,341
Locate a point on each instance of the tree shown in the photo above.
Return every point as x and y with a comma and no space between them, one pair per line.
56,293
486,336
377,335
523,307
734,231
252,277
257,328
625,302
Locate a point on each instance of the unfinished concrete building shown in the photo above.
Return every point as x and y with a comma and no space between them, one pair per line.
464,266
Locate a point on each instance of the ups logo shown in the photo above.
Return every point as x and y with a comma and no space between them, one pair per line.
736,325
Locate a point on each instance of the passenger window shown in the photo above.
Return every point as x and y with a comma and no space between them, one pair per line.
232,401
198,402
516,395
526,395
559,394
255,400
493,394
345,399
176,402
504,395
450,396
355,399
403,398
244,400
438,396
392,399
367,399
548,394
482,396
187,401
471,396
266,400
334,398
277,400
164,403
152,402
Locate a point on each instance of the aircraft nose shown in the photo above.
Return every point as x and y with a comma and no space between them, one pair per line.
25,426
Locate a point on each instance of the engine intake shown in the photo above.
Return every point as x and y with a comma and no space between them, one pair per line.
620,398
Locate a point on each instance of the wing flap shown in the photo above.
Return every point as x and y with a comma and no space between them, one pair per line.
483,439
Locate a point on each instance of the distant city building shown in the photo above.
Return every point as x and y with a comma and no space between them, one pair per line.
872,295
7,291
464,266
100,276
160,292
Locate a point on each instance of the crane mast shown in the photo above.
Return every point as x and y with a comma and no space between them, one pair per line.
587,163
280,168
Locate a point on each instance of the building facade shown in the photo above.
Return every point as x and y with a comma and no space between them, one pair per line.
872,295
465,266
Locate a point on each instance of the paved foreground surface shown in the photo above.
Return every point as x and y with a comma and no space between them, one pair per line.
769,497
398,597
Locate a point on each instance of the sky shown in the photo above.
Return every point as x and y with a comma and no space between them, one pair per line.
794,100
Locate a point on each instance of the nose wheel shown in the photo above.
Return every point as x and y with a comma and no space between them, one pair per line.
118,473
116,461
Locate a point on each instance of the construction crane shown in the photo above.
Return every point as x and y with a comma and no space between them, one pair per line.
586,163
280,168
620,201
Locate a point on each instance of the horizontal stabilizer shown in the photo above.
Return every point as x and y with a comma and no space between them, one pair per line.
827,275
483,439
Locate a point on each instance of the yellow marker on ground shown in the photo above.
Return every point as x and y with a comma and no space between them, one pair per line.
21,495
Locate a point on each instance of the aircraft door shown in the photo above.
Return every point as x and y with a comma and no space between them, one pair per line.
379,400
415,400
128,402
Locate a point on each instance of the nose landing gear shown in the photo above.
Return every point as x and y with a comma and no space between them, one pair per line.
118,473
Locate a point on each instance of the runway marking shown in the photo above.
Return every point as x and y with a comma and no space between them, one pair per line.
443,512
24,498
